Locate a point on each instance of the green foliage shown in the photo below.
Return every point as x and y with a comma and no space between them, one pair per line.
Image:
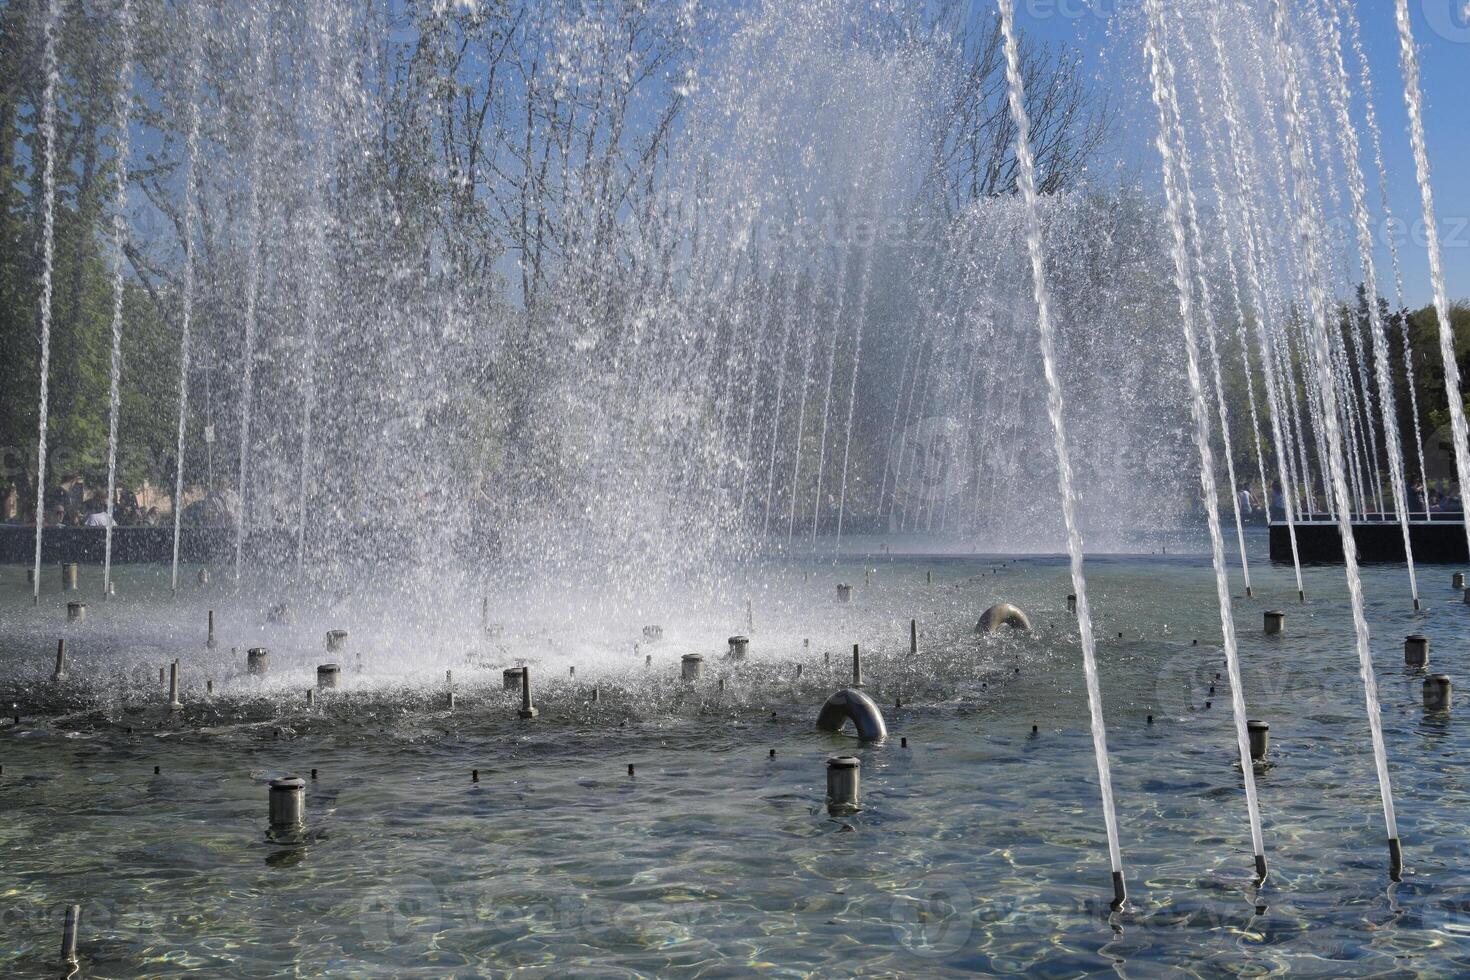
1429,373
82,296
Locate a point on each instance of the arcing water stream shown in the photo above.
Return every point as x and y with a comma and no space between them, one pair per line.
1026,179
1166,100
1317,327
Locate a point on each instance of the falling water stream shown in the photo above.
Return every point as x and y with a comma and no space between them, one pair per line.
787,324
808,359
324,28
1316,329
1232,250
1166,100
260,59
187,315
1370,110
1026,179
119,241
865,282
1171,115
1414,101
48,256
839,304
1386,402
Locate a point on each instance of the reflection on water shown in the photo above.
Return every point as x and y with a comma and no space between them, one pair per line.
979,846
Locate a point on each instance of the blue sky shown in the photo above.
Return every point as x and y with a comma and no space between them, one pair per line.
1443,34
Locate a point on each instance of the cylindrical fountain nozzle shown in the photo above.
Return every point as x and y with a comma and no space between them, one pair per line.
327,675
857,666
844,592
76,612
511,678
1416,650
528,710
1260,739
288,803
69,935
209,641
174,704
843,783
1457,581
1072,603
1274,621
739,645
336,641
1437,692
69,576
257,660
692,667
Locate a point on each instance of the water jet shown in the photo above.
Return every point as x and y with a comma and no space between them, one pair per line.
69,936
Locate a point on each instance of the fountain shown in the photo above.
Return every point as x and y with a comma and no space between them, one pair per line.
573,339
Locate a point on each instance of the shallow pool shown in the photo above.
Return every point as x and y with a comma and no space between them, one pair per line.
979,847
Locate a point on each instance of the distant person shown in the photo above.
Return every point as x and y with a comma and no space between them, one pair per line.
58,516
98,518
1245,504
1278,501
